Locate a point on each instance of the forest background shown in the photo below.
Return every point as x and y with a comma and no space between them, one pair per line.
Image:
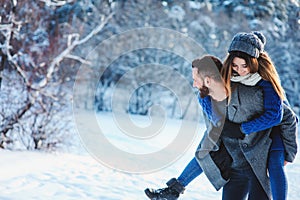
44,44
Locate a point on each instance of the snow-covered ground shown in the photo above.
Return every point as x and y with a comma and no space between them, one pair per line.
77,175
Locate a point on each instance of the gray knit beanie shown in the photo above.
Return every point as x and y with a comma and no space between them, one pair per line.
250,43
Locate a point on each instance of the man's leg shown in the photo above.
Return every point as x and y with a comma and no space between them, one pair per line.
256,191
237,187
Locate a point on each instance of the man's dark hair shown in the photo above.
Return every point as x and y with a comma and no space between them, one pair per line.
208,66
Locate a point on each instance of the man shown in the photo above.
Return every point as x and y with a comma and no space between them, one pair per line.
207,79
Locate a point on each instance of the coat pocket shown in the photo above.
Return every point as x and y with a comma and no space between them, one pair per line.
223,160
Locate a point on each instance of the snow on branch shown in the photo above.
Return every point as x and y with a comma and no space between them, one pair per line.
8,30
72,44
56,2
78,59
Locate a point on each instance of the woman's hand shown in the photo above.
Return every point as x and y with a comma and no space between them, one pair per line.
285,163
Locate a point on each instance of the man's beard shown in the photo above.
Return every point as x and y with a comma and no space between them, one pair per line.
204,91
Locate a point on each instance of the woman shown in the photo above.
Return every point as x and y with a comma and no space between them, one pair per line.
249,64
231,131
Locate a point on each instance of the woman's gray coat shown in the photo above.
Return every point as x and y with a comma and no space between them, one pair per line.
246,103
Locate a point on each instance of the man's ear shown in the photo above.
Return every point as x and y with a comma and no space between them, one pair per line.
207,81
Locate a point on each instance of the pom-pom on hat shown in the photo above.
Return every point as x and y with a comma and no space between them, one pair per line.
252,43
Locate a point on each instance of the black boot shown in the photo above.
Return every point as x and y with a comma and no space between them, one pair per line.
171,192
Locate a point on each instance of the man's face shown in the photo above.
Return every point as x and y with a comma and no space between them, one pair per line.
198,83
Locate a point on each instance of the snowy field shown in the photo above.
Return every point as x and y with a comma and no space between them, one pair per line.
77,175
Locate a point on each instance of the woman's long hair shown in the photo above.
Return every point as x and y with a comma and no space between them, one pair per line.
263,65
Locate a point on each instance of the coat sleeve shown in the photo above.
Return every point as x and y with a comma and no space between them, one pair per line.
273,111
213,157
289,130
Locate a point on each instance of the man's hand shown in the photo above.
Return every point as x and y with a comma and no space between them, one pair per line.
232,130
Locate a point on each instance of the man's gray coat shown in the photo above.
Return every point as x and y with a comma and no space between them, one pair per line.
246,103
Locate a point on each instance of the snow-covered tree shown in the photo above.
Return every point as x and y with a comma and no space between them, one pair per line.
43,43
38,65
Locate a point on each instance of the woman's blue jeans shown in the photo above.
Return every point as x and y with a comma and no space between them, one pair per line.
190,172
277,176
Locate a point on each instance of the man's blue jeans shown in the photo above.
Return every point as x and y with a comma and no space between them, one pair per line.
243,185
241,182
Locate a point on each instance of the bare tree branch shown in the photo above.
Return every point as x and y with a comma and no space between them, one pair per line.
14,120
8,30
78,59
70,48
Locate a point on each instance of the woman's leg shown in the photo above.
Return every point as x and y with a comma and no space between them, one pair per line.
277,176
176,186
190,172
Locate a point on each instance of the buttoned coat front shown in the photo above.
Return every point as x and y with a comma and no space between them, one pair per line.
246,103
